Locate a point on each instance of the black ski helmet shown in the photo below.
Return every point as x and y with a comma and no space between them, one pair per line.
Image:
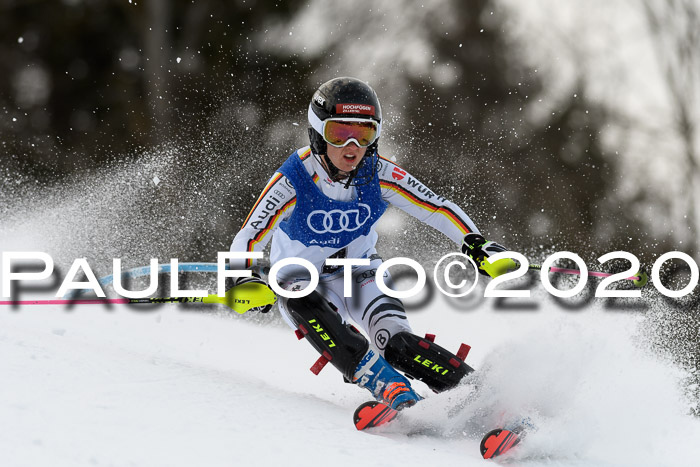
338,98
342,97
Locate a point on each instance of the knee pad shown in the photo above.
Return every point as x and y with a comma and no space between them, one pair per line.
319,322
426,361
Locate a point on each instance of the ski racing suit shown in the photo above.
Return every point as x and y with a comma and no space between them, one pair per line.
309,216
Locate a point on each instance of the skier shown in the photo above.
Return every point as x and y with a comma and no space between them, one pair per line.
324,202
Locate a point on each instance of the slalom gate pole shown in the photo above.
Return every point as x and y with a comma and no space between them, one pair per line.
240,299
104,301
639,280
95,301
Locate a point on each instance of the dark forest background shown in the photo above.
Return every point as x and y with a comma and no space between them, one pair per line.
85,83
150,127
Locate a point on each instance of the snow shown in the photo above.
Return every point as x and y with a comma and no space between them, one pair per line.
182,385
179,386
123,387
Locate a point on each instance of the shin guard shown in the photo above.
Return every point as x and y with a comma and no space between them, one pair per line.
426,361
322,326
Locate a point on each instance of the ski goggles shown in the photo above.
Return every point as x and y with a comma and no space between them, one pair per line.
339,132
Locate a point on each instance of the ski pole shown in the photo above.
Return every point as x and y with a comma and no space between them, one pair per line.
240,299
146,270
639,280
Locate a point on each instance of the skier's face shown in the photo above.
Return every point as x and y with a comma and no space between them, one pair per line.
347,157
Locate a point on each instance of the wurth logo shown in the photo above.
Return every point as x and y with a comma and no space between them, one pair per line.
398,174
362,109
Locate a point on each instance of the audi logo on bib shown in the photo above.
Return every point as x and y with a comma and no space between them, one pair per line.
336,220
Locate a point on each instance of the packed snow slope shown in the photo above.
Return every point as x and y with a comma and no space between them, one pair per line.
180,385
176,386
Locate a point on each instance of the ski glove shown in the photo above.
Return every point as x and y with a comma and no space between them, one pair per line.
255,278
478,248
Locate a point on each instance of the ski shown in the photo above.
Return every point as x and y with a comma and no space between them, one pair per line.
495,443
373,413
499,441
